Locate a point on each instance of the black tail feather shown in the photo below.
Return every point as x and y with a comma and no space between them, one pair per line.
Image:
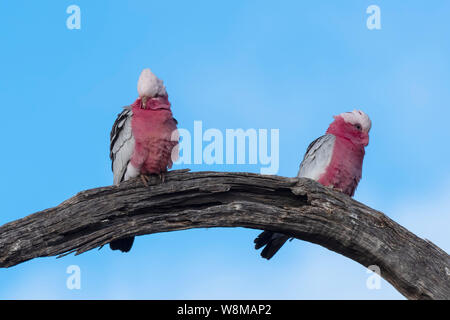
272,242
123,244
263,239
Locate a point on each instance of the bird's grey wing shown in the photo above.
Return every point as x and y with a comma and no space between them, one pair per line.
122,144
317,157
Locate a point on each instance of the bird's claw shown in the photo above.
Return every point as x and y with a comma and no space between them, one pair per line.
334,188
145,179
339,189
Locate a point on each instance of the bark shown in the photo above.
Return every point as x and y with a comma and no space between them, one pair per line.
301,208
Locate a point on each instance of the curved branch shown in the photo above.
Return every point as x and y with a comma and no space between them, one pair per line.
301,208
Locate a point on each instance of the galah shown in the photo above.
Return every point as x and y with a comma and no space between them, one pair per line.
334,160
143,138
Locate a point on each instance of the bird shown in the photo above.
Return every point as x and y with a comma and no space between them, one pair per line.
143,139
335,160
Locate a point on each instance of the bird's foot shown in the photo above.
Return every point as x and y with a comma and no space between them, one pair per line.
145,179
338,189
335,188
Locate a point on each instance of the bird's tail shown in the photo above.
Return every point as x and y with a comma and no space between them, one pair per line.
272,241
123,244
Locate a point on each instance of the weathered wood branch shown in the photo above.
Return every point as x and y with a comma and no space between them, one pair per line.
298,207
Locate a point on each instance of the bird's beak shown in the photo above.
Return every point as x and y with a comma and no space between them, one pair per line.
144,102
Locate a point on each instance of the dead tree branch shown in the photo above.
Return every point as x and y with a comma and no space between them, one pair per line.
298,207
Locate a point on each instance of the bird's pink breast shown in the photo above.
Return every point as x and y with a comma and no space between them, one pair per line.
345,168
152,131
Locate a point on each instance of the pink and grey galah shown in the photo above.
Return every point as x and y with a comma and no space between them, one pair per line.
143,139
334,160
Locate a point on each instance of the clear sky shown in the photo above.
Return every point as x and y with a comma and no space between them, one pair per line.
287,65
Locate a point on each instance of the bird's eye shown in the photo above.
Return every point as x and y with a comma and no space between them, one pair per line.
358,126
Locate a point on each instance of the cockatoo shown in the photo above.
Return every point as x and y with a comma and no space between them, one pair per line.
335,160
143,139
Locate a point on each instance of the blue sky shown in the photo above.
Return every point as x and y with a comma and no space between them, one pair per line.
231,64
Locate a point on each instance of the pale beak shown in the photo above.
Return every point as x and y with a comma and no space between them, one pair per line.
143,102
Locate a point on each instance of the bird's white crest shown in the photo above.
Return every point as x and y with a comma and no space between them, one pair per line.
358,117
149,85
